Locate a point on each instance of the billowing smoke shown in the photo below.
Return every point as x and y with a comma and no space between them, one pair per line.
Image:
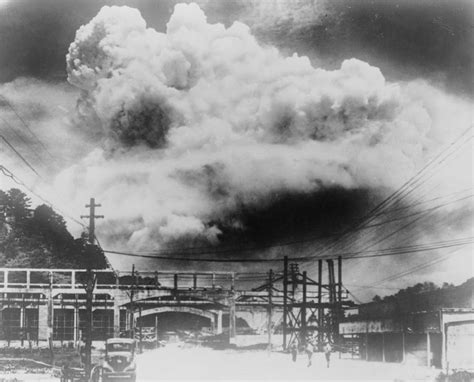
202,130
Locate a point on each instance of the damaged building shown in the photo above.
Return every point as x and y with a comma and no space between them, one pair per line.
435,329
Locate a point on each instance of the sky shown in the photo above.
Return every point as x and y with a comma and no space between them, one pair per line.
249,129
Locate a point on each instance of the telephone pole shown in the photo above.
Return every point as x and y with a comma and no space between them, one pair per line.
92,216
90,285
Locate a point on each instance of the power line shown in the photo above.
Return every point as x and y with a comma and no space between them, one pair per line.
21,138
424,214
349,255
398,195
18,181
20,156
206,250
415,268
25,124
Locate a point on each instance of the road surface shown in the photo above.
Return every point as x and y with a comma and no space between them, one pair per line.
174,363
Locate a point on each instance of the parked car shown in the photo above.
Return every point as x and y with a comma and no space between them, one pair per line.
119,361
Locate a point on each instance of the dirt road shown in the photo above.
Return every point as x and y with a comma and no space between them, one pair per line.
174,363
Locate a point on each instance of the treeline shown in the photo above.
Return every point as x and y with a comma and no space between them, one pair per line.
425,296
38,238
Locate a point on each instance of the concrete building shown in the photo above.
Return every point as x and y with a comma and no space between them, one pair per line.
442,339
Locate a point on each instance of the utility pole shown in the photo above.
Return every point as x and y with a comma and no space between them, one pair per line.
270,309
90,285
92,216
132,307
285,300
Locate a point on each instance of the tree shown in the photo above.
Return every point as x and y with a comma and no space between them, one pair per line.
41,239
377,298
17,205
51,226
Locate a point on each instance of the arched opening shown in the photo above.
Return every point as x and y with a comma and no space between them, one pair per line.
175,322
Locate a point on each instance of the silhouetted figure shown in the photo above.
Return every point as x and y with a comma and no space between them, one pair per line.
294,352
309,352
327,353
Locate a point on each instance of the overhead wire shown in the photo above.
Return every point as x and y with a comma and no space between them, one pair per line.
398,194
415,268
349,255
23,122
18,181
22,139
20,156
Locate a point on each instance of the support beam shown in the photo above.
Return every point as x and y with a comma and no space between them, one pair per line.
140,329
116,319
219,322
403,347
285,301
303,313
49,296
156,331
320,309
270,309
75,325
428,349
383,347
232,323
339,277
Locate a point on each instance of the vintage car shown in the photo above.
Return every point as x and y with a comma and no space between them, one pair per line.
119,361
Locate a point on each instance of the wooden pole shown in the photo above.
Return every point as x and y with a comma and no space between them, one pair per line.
303,313
140,328
156,331
285,300
270,308
232,323
90,285
428,349
403,347
320,309
132,308
383,347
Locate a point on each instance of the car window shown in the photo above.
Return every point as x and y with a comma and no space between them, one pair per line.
119,347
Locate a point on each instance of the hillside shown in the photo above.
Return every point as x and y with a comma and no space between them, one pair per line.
38,238
421,297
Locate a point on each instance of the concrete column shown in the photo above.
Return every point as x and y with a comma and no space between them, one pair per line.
43,333
232,325
22,317
383,347
428,350
73,279
403,347
219,322
28,278
156,330
213,325
5,279
116,319
128,321
76,324
49,313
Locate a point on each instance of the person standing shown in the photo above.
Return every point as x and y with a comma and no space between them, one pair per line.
309,352
327,353
294,352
